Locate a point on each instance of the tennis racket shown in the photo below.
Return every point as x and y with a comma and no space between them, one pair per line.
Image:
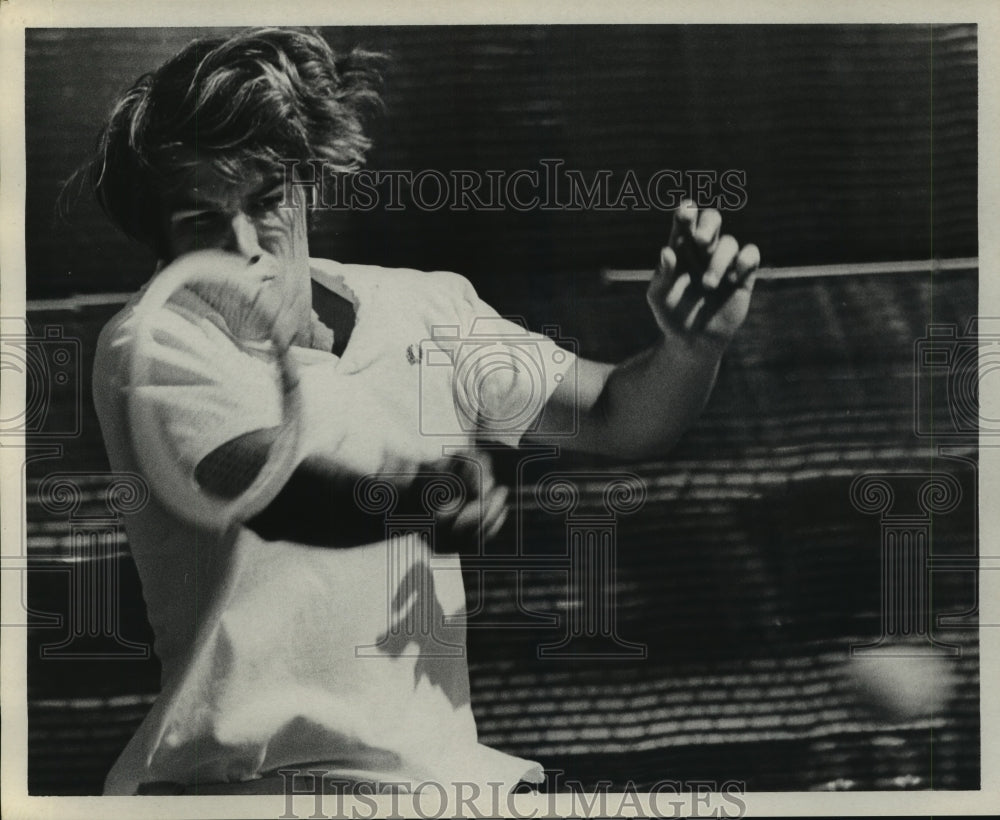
251,430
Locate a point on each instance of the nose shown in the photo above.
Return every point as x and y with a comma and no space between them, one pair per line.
242,238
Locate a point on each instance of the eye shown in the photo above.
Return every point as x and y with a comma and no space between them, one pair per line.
268,203
186,220
195,229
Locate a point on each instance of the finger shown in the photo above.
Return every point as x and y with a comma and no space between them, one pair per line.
706,233
496,515
695,317
695,246
690,258
497,526
667,265
734,292
721,261
743,272
485,516
467,520
676,293
663,278
685,302
685,218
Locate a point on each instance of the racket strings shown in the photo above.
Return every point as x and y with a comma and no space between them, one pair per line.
250,312
214,405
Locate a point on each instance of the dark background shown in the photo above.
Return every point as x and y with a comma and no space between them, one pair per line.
858,143
748,574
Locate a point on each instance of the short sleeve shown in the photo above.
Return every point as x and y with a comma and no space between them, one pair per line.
503,373
201,388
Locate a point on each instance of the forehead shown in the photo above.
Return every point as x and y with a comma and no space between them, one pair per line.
201,185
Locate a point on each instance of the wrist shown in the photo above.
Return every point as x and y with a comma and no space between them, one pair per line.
700,347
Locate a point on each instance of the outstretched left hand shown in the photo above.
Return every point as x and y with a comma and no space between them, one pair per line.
702,285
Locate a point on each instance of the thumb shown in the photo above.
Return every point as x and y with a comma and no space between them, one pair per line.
663,280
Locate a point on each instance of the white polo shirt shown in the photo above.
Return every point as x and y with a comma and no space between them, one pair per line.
279,654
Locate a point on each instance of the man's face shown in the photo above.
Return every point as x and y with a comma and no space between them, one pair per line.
262,219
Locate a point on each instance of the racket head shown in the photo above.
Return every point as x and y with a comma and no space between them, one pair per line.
244,302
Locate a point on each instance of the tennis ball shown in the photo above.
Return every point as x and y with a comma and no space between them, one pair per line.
902,688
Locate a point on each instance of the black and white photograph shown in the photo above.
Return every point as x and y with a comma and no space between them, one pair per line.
478,415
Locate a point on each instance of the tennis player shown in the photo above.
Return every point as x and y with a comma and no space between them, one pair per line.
306,639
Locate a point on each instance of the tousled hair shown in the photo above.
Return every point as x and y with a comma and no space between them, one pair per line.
247,101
